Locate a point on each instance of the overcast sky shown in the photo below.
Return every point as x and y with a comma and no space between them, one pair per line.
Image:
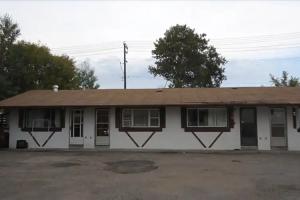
257,38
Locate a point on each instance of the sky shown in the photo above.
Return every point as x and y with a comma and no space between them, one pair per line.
258,38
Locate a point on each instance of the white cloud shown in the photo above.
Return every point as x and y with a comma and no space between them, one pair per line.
61,23
96,29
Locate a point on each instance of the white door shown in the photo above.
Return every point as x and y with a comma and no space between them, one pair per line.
278,127
102,127
76,134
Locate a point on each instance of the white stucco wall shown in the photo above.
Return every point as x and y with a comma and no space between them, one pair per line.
264,129
174,137
58,140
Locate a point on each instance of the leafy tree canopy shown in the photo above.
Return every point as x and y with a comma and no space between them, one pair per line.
86,76
285,81
185,59
9,31
25,66
32,66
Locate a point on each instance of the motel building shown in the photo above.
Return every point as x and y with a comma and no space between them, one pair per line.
262,118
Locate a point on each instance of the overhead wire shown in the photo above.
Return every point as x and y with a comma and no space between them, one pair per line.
227,45
269,42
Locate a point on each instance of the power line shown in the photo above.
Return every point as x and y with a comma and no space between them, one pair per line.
284,36
244,48
148,50
224,45
116,43
262,36
89,49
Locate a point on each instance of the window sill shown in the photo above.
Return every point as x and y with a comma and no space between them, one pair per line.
146,129
207,129
41,129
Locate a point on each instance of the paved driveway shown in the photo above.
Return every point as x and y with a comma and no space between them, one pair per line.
128,175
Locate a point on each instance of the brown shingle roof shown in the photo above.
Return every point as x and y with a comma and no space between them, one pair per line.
176,96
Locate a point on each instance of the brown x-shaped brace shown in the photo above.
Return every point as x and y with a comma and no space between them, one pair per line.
213,142
46,141
146,141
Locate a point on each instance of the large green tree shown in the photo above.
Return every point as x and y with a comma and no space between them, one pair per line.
185,59
9,31
32,66
285,81
86,76
25,66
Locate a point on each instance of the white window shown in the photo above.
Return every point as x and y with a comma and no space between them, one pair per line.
207,117
127,118
141,118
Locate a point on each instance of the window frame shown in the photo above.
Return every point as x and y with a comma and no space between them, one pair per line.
132,120
199,109
160,117
23,114
101,123
188,128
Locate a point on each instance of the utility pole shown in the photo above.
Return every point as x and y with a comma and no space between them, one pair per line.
125,61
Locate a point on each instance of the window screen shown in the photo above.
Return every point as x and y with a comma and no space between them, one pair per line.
141,118
42,118
207,117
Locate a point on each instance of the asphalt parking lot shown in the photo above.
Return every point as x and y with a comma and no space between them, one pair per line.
133,175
